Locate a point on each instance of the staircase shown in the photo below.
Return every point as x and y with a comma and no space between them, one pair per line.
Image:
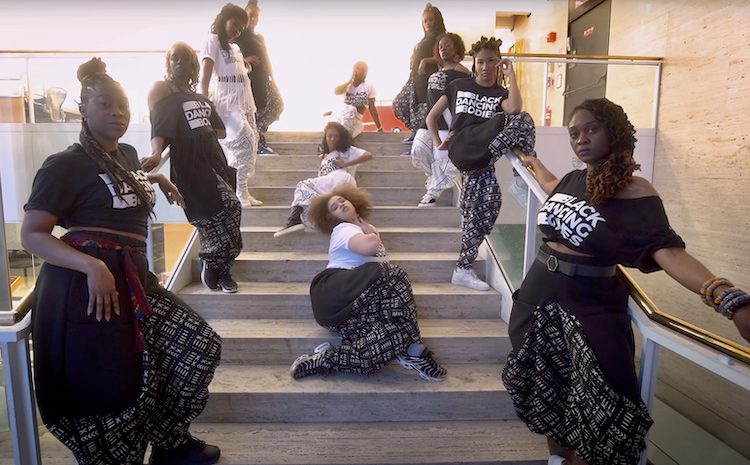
258,414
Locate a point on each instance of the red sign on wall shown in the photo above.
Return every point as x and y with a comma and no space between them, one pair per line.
588,31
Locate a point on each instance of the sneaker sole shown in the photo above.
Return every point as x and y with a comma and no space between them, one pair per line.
203,279
426,205
228,290
486,286
288,231
424,376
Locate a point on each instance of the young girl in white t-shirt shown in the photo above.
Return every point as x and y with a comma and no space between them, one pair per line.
223,72
338,164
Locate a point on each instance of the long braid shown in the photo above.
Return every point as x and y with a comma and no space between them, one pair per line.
90,74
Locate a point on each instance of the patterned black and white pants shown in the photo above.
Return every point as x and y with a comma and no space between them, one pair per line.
268,113
480,206
221,240
383,325
481,197
182,353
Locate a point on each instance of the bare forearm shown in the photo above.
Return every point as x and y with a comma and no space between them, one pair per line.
56,252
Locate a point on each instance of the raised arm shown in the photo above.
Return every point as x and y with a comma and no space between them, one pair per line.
36,237
547,181
368,242
513,103
340,90
688,271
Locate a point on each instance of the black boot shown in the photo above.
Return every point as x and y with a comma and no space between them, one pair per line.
293,224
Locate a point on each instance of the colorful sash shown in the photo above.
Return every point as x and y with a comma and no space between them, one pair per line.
138,301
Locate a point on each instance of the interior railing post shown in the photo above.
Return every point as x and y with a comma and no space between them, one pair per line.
20,394
648,371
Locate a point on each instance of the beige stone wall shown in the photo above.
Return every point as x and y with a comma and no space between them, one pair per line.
702,167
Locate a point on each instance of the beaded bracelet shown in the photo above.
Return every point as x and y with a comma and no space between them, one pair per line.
707,290
732,300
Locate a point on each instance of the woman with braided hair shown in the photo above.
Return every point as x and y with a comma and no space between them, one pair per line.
410,105
119,361
223,73
267,97
491,115
571,373
188,123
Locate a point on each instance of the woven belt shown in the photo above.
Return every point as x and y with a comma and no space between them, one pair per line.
555,265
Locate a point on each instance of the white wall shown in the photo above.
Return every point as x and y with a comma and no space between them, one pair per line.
312,45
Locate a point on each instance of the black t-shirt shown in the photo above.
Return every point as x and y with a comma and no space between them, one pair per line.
471,103
436,84
187,122
71,186
252,44
424,49
624,231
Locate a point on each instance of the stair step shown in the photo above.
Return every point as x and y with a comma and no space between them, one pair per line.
364,176
317,136
245,393
312,162
377,148
499,442
277,267
292,300
280,341
383,196
412,239
394,216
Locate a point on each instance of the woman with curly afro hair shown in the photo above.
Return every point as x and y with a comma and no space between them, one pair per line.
571,373
362,296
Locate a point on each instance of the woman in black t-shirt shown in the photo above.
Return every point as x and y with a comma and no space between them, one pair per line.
480,102
410,105
119,361
267,96
440,172
571,373
188,123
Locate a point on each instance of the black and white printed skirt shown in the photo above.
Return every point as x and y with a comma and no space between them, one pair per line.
571,374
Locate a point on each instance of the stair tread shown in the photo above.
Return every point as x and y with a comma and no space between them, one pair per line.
303,288
305,328
386,229
394,256
431,442
393,378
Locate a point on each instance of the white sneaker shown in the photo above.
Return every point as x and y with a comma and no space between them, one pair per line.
468,278
427,201
248,200
557,460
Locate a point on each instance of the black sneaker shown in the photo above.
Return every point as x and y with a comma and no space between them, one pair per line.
192,452
228,284
426,366
314,364
209,277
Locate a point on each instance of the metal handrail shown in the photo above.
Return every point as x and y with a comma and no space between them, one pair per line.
643,302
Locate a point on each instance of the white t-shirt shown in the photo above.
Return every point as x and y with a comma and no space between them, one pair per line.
352,153
230,86
359,96
339,255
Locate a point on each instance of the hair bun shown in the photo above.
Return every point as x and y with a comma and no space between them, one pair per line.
91,67
252,3
428,6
